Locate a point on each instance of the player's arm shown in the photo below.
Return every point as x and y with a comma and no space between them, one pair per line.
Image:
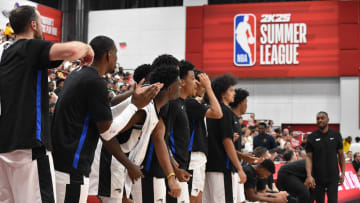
231,152
341,159
164,158
113,146
249,158
310,181
215,110
254,196
72,51
121,97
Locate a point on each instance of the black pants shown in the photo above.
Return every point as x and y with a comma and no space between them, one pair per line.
294,186
331,190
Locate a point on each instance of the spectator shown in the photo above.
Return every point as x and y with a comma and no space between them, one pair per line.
290,156
9,32
59,86
248,140
349,156
287,146
355,147
273,154
52,77
264,139
346,144
123,88
356,162
286,132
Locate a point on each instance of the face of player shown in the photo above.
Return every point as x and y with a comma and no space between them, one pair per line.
229,95
263,173
112,58
188,84
322,120
243,106
38,34
174,89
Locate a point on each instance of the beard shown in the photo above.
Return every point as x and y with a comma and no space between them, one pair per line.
322,127
38,33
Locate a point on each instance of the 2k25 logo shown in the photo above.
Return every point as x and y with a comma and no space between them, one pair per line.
275,18
244,40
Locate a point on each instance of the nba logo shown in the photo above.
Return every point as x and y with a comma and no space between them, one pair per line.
244,40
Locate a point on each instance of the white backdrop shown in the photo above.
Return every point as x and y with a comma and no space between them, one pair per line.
147,32
293,100
7,5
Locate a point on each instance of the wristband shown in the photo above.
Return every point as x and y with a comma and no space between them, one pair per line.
170,174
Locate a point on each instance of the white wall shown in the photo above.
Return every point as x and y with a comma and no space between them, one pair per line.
195,2
148,32
349,94
293,100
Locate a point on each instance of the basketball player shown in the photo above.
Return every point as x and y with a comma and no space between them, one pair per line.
82,114
26,167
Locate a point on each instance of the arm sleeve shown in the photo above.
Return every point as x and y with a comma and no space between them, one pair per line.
119,122
226,125
339,143
39,51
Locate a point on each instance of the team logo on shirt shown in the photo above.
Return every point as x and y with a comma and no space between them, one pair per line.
265,140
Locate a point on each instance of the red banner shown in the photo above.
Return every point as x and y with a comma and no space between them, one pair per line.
51,20
292,39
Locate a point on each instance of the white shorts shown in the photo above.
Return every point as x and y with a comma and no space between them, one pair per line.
184,195
240,192
27,176
148,189
197,166
221,187
74,189
105,173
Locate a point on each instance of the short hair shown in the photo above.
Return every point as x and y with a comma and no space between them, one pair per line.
196,73
185,66
288,154
101,45
272,151
166,74
263,124
240,96
220,84
58,81
357,139
323,112
21,17
141,72
164,59
260,151
268,165
355,154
